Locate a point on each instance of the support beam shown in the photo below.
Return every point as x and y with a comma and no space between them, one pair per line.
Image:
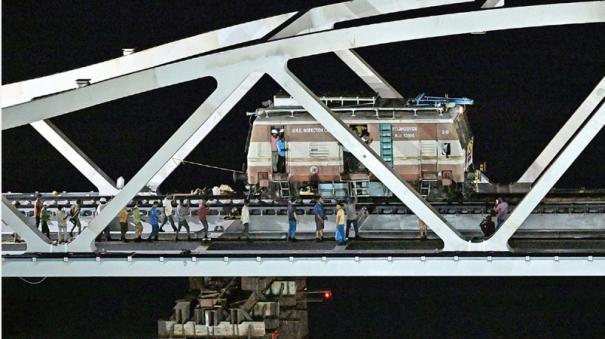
34,239
75,156
24,91
226,95
325,17
550,177
508,266
376,82
290,83
201,133
492,3
565,133
300,46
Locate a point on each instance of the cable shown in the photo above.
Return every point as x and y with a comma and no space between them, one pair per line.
209,166
32,282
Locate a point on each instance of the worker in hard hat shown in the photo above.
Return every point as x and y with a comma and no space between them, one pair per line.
274,139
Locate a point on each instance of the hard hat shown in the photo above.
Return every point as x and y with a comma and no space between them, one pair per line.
281,130
103,200
273,131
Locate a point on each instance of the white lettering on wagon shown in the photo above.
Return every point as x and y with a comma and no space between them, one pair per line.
309,130
405,132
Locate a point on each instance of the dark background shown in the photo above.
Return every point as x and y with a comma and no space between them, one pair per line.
525,83
361,307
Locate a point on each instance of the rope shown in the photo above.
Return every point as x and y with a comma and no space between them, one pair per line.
208,166
33,282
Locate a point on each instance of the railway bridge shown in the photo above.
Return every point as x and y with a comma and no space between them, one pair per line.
539,237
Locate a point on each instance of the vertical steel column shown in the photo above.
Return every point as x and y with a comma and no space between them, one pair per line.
34,239
75,156
227,94
550,177
565,133
451,237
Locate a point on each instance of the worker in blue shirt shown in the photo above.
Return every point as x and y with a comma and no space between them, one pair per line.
320,216
281,154
154,215
292,220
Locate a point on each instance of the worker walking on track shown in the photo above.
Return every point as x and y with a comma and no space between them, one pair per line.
74,213
38,205
155,223
340,236
123,217
245,218
138,225
44,218
292,220
202,214
62,224
351,211
182,211
168,211
320,216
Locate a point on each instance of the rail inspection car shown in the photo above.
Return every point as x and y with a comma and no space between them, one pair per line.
426,141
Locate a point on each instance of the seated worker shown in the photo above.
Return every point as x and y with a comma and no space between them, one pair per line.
487,226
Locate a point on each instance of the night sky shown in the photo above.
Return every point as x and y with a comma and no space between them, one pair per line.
525,84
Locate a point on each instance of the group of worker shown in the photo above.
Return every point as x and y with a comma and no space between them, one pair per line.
278,151
42,216
181,212
346,216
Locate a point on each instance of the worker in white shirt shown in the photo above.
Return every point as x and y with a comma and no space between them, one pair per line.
168,211
245,218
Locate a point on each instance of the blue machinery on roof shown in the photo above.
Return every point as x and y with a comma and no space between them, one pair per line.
424,100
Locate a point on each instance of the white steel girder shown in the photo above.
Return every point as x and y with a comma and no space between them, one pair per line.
75,156
565,133
24,91
547,181
367,74
300,46
324,17
305,266
229,91
34,239
452,239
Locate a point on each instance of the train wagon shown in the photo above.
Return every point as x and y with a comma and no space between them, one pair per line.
428,143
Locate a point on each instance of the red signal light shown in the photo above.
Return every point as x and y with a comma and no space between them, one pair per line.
327,295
